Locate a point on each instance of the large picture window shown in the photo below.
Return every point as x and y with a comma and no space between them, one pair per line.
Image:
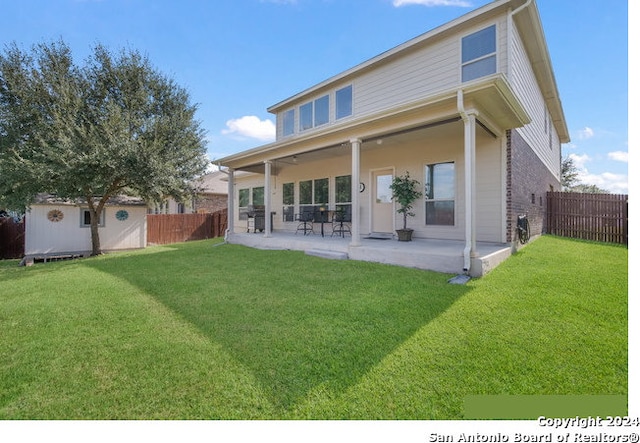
479,54
257,196
440,191
313,194
287,202
343,196
243,202
249,196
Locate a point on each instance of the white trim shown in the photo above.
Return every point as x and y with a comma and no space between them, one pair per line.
372,196
356,144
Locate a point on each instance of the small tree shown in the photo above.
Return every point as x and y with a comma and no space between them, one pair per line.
405,191
569,173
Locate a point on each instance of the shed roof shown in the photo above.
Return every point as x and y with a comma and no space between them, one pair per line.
116,200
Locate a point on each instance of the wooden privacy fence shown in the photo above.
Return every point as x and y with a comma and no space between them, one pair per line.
598,217
176,228
11,238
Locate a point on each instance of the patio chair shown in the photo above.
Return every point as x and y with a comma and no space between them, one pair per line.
305,222
341,223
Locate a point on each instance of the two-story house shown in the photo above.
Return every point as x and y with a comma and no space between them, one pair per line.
470,109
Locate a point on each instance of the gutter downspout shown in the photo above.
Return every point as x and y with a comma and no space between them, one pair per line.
469,147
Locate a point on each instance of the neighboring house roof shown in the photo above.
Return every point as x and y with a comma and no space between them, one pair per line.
212,183
116,200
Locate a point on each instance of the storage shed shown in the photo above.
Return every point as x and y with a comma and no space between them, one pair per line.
57,227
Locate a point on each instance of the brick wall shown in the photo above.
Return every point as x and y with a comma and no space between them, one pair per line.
528,181
210,203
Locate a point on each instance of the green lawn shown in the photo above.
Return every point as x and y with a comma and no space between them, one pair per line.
196,331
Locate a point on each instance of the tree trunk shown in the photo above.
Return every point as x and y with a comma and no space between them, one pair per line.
94,212
95,235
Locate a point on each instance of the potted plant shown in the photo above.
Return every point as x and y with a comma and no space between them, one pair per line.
405,191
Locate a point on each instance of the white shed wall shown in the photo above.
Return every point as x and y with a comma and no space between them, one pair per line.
67,235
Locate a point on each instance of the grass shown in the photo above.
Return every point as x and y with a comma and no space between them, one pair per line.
193,331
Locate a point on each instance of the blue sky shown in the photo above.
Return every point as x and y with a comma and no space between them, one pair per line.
238,57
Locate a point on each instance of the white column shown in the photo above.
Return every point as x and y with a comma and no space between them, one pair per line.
267,198
355,191
470,183
230,201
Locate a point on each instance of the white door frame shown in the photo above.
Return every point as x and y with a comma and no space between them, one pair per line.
372,196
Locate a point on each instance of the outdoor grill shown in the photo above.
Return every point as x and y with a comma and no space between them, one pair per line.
255,218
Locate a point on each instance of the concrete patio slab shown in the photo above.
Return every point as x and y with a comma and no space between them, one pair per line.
436,255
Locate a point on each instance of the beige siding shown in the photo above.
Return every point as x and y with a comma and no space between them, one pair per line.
67,235
489,178
433,147
423,72
540,134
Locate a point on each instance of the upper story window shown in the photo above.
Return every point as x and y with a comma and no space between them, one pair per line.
321,111
344,102
479,54
314,113
317,112
306,116
288,121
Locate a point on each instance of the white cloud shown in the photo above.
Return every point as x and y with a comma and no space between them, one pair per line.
252,127
463,3
619,156
614,183
586,133
579,161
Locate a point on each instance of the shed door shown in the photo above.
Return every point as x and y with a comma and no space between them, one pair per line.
382,204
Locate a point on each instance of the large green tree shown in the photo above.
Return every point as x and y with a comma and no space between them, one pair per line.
571,182
112,125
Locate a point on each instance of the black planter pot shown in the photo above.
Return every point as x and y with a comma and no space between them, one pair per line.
404,234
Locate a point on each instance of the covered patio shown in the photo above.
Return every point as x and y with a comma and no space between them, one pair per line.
429,254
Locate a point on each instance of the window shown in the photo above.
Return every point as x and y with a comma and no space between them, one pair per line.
288,120
344,102
249,196
287,202
321,111
313,194
440,191
479,54
314,113
343,195
306,116
321,191
243,202
257,196
85,218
